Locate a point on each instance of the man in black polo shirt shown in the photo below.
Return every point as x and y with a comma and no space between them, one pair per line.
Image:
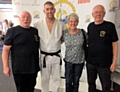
102,50
23,42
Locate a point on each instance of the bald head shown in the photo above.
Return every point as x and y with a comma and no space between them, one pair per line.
25,19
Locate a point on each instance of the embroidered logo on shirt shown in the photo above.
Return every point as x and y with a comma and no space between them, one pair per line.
36,38
102,33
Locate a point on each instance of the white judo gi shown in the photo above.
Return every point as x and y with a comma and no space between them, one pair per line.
50,43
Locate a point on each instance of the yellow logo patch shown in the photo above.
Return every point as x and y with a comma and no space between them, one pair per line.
36,38
102,33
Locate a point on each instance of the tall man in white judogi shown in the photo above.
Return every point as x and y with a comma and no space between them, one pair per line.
50,32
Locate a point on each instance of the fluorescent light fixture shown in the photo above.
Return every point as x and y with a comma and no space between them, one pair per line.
5,6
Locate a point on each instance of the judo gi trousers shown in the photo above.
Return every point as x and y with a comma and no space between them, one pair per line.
51,71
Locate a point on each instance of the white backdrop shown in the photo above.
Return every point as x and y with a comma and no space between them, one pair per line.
63,8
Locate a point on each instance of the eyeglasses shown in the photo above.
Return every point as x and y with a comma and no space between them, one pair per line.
99,12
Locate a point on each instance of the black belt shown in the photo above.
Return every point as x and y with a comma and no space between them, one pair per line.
51,54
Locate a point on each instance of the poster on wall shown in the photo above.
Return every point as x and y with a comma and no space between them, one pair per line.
64,7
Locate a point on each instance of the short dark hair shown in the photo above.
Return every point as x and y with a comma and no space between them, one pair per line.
49,3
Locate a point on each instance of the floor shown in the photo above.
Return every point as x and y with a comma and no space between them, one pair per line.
82,88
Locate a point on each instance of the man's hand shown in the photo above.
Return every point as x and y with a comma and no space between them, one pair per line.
113,66
7,71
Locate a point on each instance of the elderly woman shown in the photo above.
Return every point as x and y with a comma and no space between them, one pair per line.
74,54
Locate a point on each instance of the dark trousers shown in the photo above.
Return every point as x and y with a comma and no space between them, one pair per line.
25,82
104,76
72,74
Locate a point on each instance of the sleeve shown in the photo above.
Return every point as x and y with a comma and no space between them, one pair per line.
37,24
38,38
114,36
62,38
8,37
86,35
64,27
88,29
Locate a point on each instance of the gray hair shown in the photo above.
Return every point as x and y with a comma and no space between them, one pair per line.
99,5
73,15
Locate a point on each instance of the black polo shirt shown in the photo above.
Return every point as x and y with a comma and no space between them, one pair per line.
100,38
24,50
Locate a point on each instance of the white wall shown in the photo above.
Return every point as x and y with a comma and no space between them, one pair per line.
117,23
83,9
116,75
6,15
